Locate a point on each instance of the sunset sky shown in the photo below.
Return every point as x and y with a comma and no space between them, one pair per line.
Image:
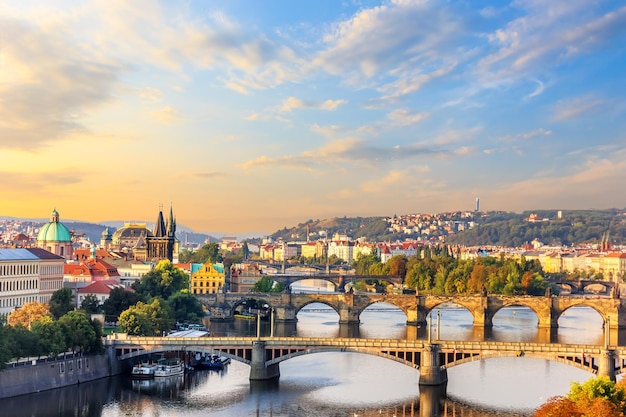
249,116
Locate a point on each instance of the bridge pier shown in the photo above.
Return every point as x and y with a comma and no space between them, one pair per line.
259,371
285,314
606,364
431,372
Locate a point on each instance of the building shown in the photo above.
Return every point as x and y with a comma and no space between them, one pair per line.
209,279
19,279
244,276
55,237
163,243
50,273
100,289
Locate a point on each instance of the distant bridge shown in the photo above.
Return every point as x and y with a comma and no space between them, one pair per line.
349,306
432,359
337,279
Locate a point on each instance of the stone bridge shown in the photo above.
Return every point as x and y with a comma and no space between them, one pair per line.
338,280
349,306
587,286
432,359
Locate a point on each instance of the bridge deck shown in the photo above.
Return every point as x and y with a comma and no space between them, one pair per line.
120,340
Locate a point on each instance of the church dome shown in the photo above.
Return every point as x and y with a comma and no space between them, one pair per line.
54,231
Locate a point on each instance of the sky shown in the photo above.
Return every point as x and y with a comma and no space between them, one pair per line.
247,116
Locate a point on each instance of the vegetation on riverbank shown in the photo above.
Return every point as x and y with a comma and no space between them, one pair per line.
597,397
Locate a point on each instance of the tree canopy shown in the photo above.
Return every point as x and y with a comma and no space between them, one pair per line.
61,302
596,397
163,281
28,314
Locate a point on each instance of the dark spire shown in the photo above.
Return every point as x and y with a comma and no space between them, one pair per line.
159,226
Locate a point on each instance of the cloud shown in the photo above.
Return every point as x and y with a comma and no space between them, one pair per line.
292,103
208,175
47,86
354,151
548,33
578,107
540,132
40,181
406,42
151,94
404,117
167,115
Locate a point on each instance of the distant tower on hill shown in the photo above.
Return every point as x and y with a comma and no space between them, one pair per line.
477,204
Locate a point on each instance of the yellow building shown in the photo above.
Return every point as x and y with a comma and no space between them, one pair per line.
208,280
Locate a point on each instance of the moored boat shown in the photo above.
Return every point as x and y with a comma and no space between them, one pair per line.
169,367
143,370
214,361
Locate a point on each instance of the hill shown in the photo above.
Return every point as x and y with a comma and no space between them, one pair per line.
495,228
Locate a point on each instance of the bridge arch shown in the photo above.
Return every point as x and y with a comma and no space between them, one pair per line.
587,364
561,312
195,349
333,306
310,351
373,302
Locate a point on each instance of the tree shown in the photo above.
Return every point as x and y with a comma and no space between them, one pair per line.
52,341
61,302
596,397
118,301
28,314
267,284
363,263
163,281
186,307
90,304
147,319
79,332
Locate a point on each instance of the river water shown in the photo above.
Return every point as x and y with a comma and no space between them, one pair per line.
337,384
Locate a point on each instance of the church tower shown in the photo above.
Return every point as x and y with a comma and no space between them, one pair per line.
163,243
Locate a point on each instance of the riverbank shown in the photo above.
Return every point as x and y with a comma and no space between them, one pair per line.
51,373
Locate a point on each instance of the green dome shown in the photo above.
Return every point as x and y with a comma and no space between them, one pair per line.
54,231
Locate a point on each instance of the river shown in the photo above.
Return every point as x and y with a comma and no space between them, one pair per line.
337,384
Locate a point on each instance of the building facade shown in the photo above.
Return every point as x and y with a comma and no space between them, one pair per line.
209,279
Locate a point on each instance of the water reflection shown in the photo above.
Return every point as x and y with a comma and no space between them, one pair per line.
346,384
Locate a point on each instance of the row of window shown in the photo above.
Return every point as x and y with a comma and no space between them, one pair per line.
14,302
201,284
19,285
19,269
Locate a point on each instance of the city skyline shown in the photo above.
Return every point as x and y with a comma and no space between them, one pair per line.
249,117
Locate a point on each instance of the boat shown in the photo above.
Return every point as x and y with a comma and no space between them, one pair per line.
245,316
214,361
144,370
169,367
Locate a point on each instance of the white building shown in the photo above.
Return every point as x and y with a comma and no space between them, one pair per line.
19,279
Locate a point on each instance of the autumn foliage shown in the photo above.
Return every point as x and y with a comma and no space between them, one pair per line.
28,314
598,397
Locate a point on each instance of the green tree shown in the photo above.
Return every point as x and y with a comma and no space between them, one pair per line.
118,301
267,284
363,263
79,332
163,281
91,304
186,307
147,319
50,335
61,302
6,343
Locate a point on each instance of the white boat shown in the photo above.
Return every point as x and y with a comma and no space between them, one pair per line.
144,370
169,368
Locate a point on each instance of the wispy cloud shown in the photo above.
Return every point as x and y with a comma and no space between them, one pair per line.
292,103
578,107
